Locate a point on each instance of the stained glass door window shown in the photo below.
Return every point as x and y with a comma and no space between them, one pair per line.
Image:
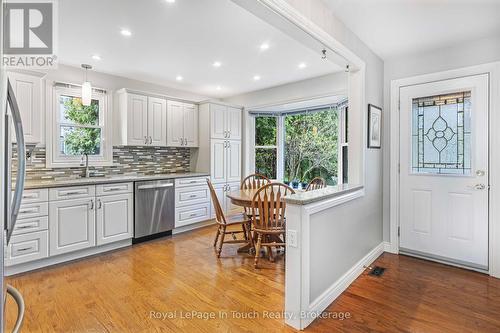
441,134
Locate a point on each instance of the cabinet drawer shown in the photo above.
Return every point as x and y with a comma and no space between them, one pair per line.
192,214
31,196
27,247
31,225
108,189
192,195
185,182
73,192
33,210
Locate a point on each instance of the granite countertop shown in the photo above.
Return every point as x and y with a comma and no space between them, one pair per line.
37,184
305,198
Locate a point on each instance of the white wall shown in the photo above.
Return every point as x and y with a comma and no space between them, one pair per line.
331,84
465,54
362,216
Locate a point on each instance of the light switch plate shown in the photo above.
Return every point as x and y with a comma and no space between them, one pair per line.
292,238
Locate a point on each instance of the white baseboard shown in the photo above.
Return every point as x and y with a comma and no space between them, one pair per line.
338,287
192,227
388,247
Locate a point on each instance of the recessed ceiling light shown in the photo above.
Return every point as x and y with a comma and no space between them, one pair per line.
256,78
264,46
302,65
126,32
96,57
179,78
218,88
169,1
217,64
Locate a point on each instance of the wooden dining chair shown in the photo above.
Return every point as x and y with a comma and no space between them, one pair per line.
254,181
239,223
316,184
269,224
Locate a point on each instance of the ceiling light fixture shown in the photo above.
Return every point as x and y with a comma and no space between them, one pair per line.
217,64
179,78
126,32
86,87
218,88
96,57
302,65
264,46
169,1
256,78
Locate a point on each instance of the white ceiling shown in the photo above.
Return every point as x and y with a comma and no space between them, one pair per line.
395,27
183,38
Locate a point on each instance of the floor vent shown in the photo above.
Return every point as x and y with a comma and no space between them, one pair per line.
377,271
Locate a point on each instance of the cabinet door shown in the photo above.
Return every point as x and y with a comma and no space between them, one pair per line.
28,90
230,208
157,121
175,126
191,125
218,161
233,123
114,218
218,125
137,119
72,225
220,191
233,161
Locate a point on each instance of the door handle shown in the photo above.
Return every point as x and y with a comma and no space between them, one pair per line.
20,307
478,187
92,204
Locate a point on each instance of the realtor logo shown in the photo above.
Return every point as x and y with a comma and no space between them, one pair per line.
29,34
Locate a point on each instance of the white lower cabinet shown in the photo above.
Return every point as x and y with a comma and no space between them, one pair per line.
72,225
114,218
221,190
192,201
27,247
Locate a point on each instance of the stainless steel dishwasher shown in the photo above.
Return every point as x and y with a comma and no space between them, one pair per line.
154,209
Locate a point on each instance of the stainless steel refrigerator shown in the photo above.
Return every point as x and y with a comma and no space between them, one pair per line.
10,197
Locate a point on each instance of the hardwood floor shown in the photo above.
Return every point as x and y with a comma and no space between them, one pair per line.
130,289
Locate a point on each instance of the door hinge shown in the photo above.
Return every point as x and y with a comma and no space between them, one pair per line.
399,231
399,167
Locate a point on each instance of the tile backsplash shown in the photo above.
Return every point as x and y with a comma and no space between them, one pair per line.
126,160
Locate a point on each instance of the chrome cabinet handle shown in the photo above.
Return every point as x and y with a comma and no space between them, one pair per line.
182,141
25,226
228,134
100,204
73,193
24,249
27,211
145,140
185,141
92,204
479,187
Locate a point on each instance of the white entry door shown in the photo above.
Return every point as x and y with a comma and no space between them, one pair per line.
444,170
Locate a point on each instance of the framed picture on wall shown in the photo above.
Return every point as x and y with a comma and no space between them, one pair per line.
374,126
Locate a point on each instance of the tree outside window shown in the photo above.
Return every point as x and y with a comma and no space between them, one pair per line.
266,149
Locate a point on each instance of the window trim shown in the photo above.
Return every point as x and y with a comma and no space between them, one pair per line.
280,142
54,159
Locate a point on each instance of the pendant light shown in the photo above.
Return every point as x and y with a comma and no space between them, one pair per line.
86,87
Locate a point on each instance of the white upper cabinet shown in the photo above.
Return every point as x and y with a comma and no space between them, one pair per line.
233,123
218,123
28,91
225,122
141,120
191,125
137,116
182,124
157,121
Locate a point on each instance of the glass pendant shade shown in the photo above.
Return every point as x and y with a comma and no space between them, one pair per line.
86,93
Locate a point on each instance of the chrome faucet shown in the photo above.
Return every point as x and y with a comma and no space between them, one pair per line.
85,157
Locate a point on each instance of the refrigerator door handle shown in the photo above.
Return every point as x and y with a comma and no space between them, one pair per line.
20,307
21,159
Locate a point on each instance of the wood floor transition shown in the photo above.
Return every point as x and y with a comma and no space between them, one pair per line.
154,286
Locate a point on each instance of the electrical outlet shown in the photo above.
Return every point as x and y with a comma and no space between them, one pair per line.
292,238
